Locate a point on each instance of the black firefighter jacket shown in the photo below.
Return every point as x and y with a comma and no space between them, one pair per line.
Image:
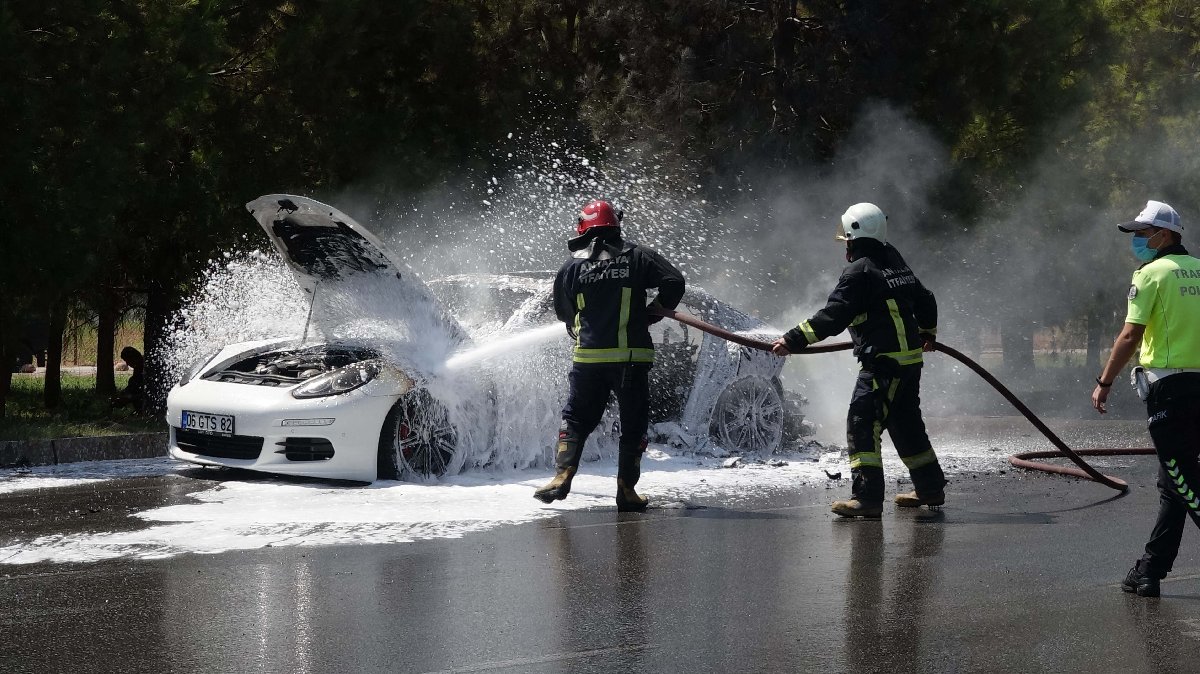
600,293
882,302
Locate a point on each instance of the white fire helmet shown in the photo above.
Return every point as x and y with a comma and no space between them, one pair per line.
863,221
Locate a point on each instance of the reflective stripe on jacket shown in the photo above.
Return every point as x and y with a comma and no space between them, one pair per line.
601,293
881,301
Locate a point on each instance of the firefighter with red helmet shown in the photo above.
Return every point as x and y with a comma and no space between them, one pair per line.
892,319
600,293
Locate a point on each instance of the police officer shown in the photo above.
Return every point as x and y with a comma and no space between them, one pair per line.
600,293
1163,317
892,319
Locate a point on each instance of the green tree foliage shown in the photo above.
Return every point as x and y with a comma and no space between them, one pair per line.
138,128
46,158
1148,95
784,81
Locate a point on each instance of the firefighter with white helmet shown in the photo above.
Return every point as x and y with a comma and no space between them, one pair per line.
600,293
892,319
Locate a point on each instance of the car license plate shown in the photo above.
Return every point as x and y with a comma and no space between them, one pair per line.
203,422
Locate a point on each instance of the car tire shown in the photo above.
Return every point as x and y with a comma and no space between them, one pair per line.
418,441
749,416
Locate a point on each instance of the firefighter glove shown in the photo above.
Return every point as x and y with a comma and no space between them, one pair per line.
927,341
651,316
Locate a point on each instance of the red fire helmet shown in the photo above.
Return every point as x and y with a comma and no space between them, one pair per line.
598,213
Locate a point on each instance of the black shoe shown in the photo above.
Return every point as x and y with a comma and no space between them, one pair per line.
1141,583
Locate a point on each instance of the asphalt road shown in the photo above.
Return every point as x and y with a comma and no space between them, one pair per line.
1018,573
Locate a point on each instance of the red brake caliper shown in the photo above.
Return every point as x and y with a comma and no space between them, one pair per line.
405,448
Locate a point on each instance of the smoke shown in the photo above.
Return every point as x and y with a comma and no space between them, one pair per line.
244,298
888,160
762,241
518,220
767,246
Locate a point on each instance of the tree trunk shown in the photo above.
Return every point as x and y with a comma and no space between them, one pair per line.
783,47
52,389
973,342
106,335
1095,336
1016,341
159,306
6,367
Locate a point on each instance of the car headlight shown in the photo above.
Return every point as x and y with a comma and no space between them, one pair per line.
338,381
197,367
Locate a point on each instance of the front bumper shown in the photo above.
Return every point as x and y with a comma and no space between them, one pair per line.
345,449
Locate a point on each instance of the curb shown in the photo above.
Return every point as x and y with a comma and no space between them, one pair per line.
15,453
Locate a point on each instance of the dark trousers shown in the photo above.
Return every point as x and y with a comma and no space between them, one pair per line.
1175,428
889,401
590,387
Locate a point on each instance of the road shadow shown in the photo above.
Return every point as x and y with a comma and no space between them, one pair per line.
219,474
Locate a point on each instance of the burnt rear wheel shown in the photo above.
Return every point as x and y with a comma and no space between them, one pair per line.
748,416
418,440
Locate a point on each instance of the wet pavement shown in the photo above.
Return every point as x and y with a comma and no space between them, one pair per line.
1018,573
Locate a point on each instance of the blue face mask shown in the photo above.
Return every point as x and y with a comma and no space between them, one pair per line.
1141,250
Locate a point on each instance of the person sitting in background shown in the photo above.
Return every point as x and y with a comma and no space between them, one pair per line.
132,395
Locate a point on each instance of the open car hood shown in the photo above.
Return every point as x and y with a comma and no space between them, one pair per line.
319,242
323,246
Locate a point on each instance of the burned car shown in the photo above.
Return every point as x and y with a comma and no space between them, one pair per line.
382,399
714,390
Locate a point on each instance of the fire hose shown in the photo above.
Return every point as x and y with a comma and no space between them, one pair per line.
1020,460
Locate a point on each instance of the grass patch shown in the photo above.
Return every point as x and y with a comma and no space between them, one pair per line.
79,341
80,414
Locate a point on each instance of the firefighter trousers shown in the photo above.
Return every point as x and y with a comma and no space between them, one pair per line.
889,401
590,388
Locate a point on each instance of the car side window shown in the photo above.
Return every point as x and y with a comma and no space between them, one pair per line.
479,306
676,347
674,341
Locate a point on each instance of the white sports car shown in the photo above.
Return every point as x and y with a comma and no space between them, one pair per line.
378,400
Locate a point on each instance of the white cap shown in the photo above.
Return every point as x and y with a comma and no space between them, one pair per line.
1155,214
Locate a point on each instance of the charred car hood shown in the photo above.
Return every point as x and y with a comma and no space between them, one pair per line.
319,242
321,245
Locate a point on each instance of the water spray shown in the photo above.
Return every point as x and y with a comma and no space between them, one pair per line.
1022,460
517,342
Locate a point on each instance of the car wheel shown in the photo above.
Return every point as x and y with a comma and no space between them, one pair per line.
418,440
748,416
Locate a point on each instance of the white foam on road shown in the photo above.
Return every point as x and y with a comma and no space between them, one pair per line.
249,514
84,472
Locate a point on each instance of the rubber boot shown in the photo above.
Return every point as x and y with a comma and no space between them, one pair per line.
629,471
629,500
1140,581
566,458
856,508
913,499
558,488
929,487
